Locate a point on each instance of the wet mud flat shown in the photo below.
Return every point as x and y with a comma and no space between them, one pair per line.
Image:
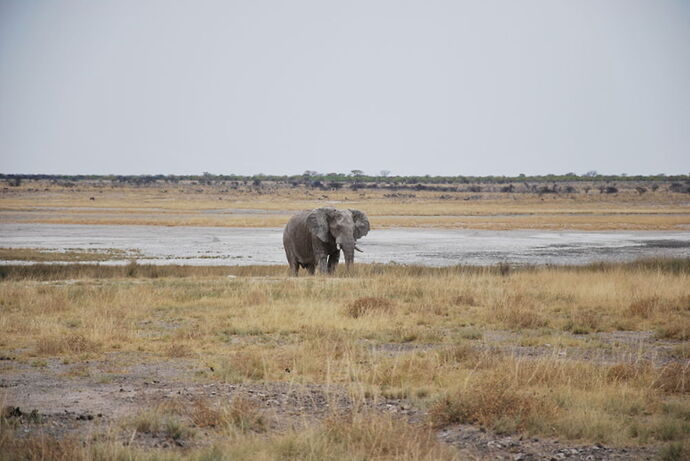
431,247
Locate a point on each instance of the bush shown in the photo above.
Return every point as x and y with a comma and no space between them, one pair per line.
674,378
73,344
679,188
363,306
674,451
608,190
493,404
241,413
645,307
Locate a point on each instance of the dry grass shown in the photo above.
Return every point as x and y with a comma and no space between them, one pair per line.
240,414
111,310
367,306
177,350
569,399
43,255
132,270
352,437
70,344
161,423
217,206
382,331
674,378
492,404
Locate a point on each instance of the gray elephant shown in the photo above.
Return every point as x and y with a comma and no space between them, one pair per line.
313,238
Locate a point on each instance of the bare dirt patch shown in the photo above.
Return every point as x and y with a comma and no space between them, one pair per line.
94,397
606,348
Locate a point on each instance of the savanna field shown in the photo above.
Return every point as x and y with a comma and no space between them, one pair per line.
384,362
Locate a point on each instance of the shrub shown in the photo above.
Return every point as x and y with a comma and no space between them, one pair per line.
493,404
470,333
583,321
244,365
674,378
624,372
608,190
244,415
679,188
375,436
518,318
465,299
457,353
645,307
675,451
679,330
368,305
177,350
241,413
72,344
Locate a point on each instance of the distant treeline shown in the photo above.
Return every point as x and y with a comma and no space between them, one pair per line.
309,177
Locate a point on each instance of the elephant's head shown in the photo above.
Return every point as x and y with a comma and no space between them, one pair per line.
343,227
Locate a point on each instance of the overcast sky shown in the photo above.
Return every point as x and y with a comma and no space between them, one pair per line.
278,87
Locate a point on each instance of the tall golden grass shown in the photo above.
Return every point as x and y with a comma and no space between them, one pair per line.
419,333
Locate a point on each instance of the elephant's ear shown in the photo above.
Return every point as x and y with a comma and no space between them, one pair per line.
361,223
317,221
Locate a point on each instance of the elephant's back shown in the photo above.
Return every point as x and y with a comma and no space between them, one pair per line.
297,223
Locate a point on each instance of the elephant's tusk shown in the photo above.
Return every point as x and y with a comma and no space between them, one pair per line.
358,249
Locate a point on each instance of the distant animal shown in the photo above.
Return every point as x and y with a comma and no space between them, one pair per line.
313,239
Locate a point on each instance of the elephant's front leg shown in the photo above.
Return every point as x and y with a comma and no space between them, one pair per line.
322,262
333,259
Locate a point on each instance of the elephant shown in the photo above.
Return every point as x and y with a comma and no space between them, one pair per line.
313,238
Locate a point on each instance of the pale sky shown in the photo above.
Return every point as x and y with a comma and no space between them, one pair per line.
440,87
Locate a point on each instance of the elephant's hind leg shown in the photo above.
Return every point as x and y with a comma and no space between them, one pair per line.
292,262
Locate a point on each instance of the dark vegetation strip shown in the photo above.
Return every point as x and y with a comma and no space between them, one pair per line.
664,265
354,176
134,270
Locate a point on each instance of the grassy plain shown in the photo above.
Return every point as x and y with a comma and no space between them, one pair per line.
594,354
270,206
385,362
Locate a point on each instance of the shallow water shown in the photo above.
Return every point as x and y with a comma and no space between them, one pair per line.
432,247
